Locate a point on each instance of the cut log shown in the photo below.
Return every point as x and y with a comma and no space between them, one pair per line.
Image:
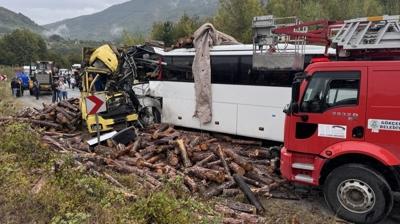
236,168
248,193
231,192
68,105
65,113
190,183
183,152
241,207
238,159
252,182
198,156
207,174
255,176
195,142
223,161
47,124
172,159
206,160
218,190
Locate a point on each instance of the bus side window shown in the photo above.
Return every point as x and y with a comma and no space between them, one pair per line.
224,69
245,70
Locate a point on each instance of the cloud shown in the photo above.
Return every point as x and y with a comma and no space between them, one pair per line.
61,30
116,31
49,11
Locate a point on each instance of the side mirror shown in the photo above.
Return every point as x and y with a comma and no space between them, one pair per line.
296,90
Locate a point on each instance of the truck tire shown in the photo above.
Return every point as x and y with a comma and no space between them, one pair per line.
357,193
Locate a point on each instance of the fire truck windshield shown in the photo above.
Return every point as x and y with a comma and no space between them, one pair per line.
331,89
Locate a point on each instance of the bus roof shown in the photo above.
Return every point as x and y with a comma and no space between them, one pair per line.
242,49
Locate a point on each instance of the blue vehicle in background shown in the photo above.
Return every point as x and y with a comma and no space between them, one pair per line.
24,79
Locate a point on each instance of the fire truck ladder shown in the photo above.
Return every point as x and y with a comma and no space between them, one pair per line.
380,32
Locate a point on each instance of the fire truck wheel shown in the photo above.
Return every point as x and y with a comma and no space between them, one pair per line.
358,193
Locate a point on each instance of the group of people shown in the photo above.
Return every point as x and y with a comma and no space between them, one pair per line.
59,90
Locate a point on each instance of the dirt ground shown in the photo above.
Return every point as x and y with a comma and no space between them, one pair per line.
311,209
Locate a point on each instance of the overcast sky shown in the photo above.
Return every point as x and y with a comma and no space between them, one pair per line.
48,11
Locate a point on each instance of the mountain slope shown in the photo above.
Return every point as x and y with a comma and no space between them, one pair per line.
134,16
10,21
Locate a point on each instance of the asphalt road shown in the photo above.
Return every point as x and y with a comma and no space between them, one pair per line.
30,101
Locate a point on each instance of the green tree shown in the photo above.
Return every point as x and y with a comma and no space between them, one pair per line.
129,39
163,31
23,46
234,17
186,26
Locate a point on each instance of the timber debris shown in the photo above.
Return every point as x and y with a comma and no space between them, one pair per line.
210,165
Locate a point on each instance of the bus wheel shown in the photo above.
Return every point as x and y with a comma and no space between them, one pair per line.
357,193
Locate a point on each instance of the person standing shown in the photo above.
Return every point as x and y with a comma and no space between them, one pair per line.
54,90
73,82
36,88
63,90
14,87
69,80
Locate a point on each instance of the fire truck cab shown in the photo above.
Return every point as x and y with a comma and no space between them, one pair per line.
342,131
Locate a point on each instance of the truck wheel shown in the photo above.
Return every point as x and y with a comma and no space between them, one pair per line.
358,193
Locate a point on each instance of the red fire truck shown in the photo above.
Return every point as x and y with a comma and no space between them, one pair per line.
342,128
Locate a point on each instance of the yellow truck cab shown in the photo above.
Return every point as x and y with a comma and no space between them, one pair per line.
100,65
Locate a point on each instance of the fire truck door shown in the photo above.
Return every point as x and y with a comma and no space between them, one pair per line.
332,109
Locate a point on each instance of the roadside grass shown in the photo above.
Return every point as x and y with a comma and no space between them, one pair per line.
39,186
7,107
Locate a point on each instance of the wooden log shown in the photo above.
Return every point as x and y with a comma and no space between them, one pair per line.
241,207
236,168
238,159
246,142
218,190
190,183
229,220
47,124
172,159
54,142
68,105
131,169
198,156
214,163
248,193
231,192
223,161
255,176
195,141
61,119
183,152
205,160
252,182
255,153
154,159
207,174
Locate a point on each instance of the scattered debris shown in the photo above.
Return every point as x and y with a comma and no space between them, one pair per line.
210,165
64,116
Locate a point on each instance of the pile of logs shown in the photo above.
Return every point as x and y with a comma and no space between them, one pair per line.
63,116
210,165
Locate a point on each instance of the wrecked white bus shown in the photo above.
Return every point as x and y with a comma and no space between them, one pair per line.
245,102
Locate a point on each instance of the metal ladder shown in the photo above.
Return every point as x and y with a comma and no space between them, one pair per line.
379,32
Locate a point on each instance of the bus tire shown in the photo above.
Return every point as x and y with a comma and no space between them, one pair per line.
357,193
